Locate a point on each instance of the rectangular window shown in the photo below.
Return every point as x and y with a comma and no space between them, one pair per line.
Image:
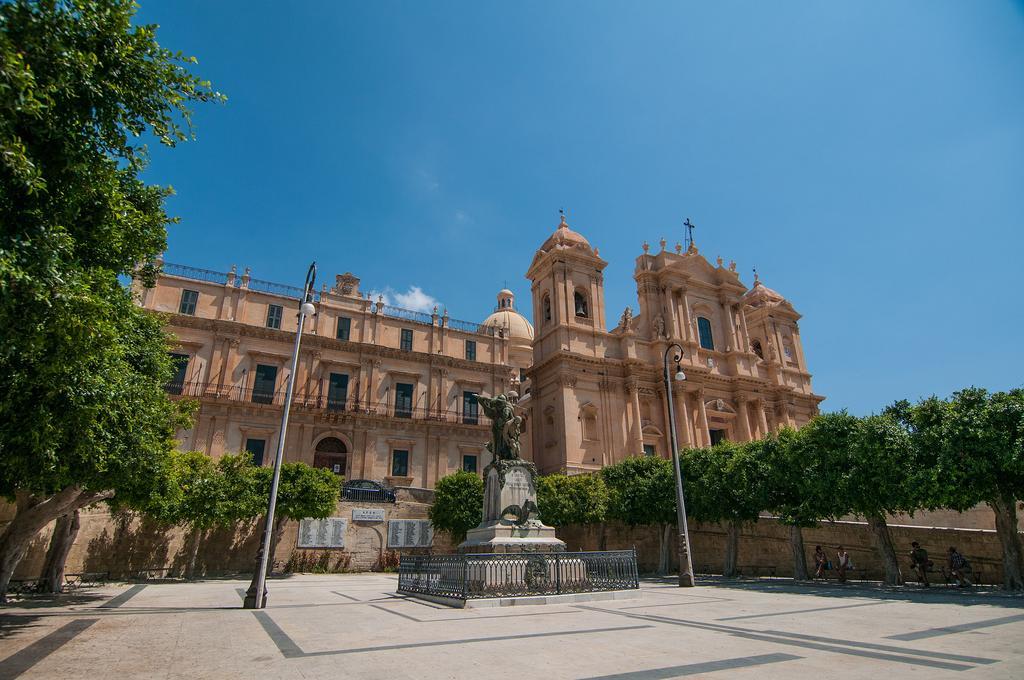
180,363
189,298
707,340
716,436
344,328
469,463
470,408
650,450
407,339
399,463
337,392
264,385
274,313
471,350
403,400
256,447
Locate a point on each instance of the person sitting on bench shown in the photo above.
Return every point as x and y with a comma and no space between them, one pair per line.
959,568
919,562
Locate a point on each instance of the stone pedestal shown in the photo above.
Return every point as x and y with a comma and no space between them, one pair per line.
511,523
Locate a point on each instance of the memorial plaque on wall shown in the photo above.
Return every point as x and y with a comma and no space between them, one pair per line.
410,533
367,514
322,533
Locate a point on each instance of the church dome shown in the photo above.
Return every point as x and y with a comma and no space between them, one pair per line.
506,316
565,237
761,294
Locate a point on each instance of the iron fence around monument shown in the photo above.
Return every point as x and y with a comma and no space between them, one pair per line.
475,576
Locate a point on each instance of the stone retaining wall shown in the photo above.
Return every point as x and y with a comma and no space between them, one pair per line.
125,544
764,545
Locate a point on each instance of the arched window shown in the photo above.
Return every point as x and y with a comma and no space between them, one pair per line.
331,454
580,305
756,347
546,303
707,340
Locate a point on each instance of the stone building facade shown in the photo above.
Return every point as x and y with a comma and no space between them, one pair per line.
381,393
389,394
598,395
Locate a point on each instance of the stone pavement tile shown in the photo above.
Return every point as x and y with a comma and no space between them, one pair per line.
333,626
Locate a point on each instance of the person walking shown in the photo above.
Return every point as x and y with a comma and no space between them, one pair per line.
959,568
842,563
919,562
820,562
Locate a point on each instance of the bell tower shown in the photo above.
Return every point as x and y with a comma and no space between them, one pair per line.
567,286
568,294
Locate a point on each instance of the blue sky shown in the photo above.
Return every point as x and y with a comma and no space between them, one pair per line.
867,158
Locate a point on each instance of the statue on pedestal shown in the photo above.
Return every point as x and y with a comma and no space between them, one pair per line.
511,521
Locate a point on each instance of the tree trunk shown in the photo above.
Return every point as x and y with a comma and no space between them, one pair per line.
197,538
732,548
664,559
34,513
882,539
279,522
64,533
1006,529
796,546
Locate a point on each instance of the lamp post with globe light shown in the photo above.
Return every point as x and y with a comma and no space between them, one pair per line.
256,597
685,563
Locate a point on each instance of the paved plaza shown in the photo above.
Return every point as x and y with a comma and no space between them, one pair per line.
354,626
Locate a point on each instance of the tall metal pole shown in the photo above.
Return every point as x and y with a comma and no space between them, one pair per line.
685,563
256,597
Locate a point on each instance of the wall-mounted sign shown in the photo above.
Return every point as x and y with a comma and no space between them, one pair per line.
367,514
410,533
322,533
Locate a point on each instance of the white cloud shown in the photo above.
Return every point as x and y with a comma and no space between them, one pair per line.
414,299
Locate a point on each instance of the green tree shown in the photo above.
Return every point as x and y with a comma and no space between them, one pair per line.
641,491
458,504
572,499
726,483
971,450
797,488
303,492
876,476
83,416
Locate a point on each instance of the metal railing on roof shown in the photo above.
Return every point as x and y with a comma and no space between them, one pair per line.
263,286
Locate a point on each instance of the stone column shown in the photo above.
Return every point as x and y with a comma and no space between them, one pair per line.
741,416
705,432
687,323
730,329
762,419
634,404
684,431
746,332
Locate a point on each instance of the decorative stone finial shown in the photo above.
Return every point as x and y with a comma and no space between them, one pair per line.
718,261
662,242
435,310
646,247
562,223
757,280
679,248
732,265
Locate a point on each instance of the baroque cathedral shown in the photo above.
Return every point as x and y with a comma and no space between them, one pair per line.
390,394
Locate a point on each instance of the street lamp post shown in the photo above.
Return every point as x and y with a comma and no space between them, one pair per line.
685,564
256,597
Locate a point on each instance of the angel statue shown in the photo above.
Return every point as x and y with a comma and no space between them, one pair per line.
505,426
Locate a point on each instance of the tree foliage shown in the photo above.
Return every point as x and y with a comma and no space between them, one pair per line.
458,504
83,415
641,490
727,482
572,499
303,491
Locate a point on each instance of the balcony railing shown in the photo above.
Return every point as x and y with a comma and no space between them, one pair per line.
463,577
263,286
351,406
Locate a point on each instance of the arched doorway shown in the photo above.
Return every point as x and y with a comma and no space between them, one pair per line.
331,453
